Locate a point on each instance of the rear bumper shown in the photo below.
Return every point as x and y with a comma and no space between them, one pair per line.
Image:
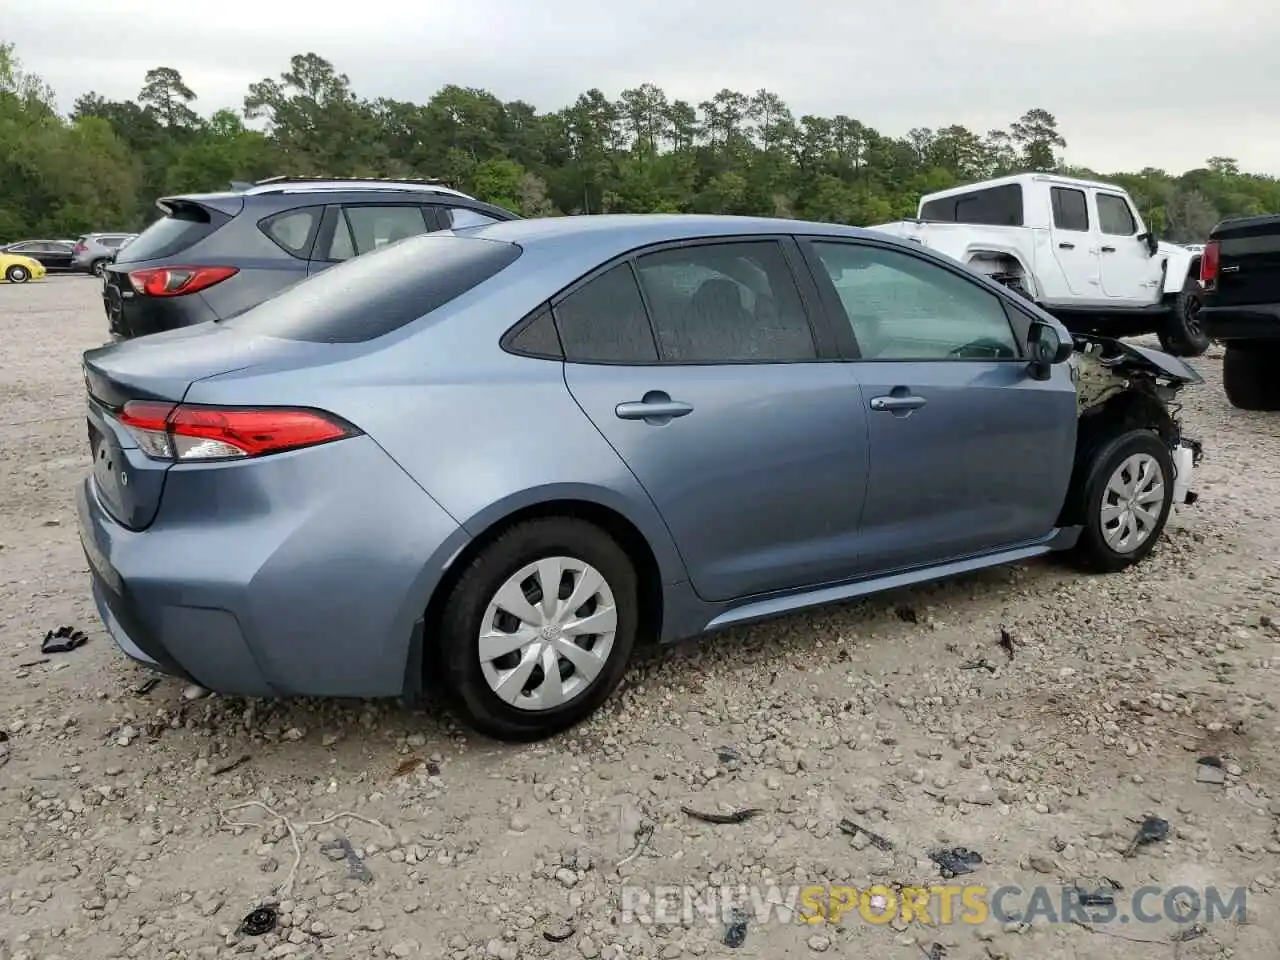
305,574
138,316
1254,322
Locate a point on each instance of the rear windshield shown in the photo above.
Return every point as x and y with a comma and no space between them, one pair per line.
183,226
377,292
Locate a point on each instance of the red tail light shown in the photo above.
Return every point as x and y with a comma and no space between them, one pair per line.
81,246
168,431
178,281
1209,261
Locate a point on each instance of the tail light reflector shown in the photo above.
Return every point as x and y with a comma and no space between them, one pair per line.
185,432
177,281
1209,261
81,247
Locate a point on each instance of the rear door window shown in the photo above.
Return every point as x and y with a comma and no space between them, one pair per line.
725,303
183,226
1070,209
363,228
604,321
370,296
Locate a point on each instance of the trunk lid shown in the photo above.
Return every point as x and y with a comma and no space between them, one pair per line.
1248,262
160,367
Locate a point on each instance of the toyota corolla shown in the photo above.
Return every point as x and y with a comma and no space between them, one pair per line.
497,459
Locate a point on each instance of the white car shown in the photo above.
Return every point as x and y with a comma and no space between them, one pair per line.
1078,248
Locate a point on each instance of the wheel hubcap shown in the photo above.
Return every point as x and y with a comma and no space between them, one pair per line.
547,633
1132,503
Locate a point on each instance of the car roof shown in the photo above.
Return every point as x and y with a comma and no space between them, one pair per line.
624,231
328,187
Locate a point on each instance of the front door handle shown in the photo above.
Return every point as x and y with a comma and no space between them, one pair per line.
1066,246
897,403
655,408
1108,249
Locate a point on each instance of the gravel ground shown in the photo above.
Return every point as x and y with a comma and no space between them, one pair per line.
118,807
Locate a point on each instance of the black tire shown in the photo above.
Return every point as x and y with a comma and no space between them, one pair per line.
457,656
98,267
1092,552
17,274
1251,375
1182,334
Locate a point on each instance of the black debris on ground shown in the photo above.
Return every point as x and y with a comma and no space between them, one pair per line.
955,861
737,816
259,922
63,640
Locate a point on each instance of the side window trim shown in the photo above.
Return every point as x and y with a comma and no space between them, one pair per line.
825,337
834,308
330,220
434,214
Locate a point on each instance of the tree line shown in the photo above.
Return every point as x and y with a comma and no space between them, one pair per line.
104,166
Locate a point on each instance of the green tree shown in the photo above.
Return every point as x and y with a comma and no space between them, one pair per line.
736,152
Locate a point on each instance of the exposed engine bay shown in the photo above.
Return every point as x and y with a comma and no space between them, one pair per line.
1137,385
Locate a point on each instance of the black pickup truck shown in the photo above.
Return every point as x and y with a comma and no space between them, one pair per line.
1240,273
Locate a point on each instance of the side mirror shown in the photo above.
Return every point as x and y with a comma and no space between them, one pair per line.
1153,244
1047,349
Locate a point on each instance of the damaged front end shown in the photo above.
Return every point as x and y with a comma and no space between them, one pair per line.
1122,385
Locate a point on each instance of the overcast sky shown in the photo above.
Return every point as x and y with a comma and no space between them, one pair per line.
1133,83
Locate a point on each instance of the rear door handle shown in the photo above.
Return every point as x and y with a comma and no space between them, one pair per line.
656,408
1066,246
1108,249
897,404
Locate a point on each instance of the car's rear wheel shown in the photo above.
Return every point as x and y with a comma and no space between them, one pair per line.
538,629
1251,375
1183,334
1128,494
98,268
17,274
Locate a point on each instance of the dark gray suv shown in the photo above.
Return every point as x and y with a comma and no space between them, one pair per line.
214,255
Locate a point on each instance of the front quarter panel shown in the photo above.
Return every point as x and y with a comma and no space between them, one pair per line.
1179,267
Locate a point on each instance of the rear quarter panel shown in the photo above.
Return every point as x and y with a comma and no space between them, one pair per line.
484,432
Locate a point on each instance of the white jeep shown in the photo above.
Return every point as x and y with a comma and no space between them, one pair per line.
1078,248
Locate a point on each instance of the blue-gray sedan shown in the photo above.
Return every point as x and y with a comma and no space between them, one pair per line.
496,459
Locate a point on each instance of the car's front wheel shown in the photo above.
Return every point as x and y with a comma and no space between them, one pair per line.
538,629
1128,494
17,274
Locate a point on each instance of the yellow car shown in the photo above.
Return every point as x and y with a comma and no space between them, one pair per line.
19,269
